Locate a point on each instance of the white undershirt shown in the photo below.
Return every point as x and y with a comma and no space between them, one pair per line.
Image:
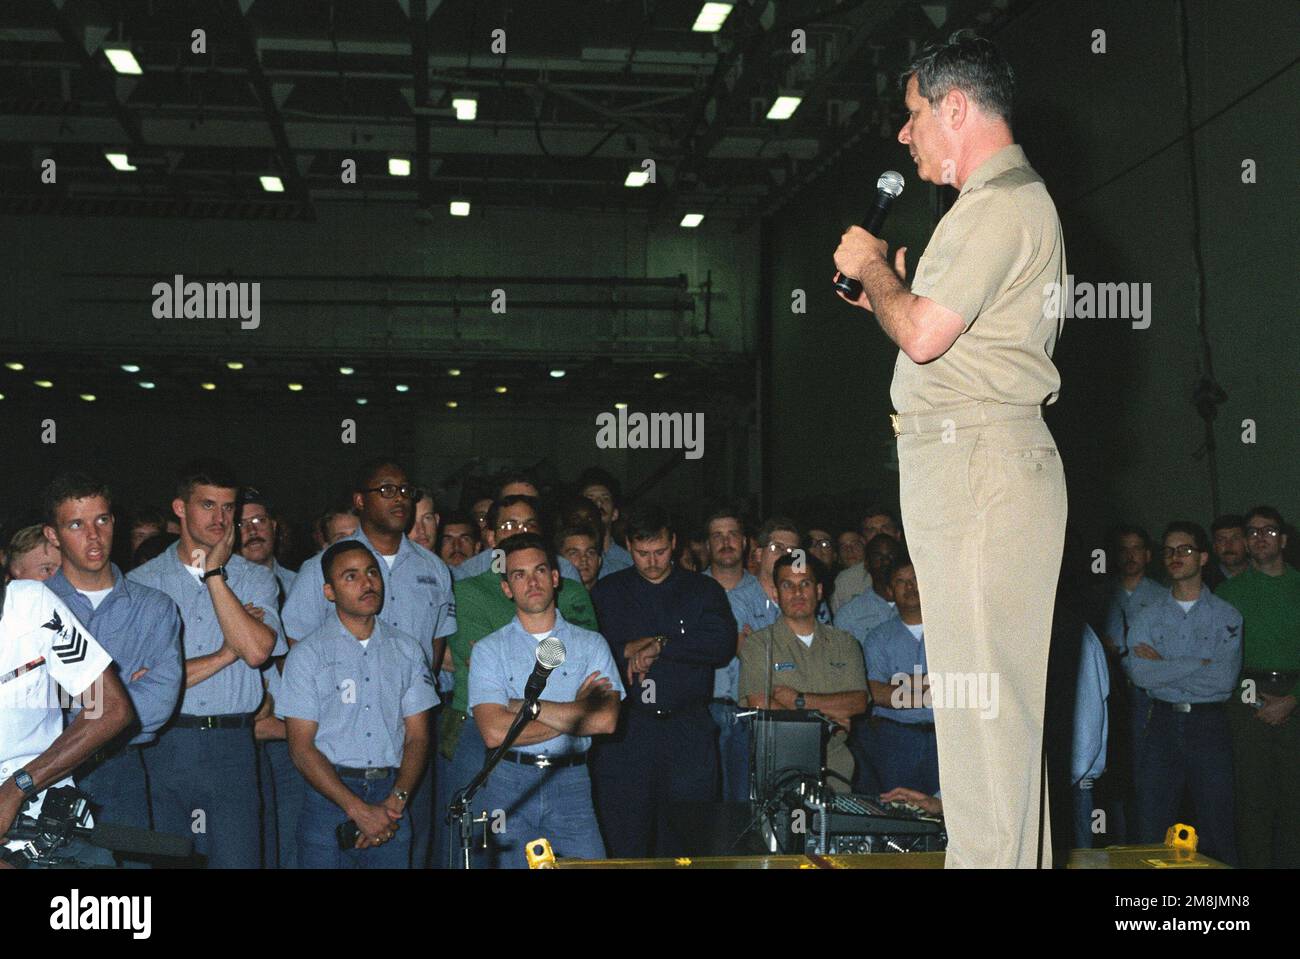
540,636
96,596
195,571
806,640
1186,604
917,631
389,559
364,643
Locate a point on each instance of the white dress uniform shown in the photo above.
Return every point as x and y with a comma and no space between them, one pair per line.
41,644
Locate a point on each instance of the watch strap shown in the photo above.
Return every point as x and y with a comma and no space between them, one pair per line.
219,571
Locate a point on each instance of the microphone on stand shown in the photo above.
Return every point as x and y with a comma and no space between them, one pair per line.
888,188
550,655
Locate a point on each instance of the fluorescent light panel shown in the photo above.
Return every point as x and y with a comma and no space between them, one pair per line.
711,17
123,60
784,108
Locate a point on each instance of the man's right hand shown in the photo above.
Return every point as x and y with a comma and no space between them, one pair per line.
375,824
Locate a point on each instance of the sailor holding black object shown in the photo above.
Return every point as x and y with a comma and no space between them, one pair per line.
355,697
41,644
976,333
542,786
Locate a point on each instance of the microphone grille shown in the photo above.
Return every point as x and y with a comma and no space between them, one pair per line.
550,652
891,181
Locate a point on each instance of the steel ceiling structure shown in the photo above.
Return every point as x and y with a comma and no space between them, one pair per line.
571,95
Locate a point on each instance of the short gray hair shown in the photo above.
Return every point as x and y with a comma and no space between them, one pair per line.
968,63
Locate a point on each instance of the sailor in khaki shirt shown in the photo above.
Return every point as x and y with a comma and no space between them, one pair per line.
814,666
978,467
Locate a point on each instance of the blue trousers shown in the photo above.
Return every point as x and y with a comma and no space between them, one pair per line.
525,803
282,789
1082,805
904,755
647,765
203,783
1192,752
318,846
733,751
420,813
119,789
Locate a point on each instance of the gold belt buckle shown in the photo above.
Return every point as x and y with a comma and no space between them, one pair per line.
895,422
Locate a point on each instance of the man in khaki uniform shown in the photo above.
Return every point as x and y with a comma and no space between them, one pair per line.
977,464
814,666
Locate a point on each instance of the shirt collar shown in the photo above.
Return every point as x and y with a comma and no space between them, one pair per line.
342,632
1007,158
63,587
819,630
403,547
560,630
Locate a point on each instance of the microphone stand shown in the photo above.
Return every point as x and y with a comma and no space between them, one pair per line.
458,813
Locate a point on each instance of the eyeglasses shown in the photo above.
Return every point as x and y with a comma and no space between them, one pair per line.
1252,532
257,522
389,490
519,526
1187,549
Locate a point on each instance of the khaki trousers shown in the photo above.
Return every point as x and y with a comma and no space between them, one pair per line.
984,506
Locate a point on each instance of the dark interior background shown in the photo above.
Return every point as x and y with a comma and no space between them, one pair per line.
1142,147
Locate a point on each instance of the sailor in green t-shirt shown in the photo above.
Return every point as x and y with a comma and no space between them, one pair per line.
1265,727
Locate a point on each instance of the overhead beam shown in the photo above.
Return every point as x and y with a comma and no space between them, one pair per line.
246,42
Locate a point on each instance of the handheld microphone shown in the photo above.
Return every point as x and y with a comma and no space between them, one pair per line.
888,188
550,654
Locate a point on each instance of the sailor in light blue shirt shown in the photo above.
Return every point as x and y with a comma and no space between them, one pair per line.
1186,633
542,786
237,688
418,597
1185,651
901,741
862,614
138,626
358,692
204,758
354,697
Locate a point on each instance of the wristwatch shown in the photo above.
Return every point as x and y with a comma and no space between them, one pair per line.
662,641
401,794
799,702
23,780
219,571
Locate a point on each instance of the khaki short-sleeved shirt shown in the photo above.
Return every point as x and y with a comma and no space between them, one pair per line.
990,259
832,664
